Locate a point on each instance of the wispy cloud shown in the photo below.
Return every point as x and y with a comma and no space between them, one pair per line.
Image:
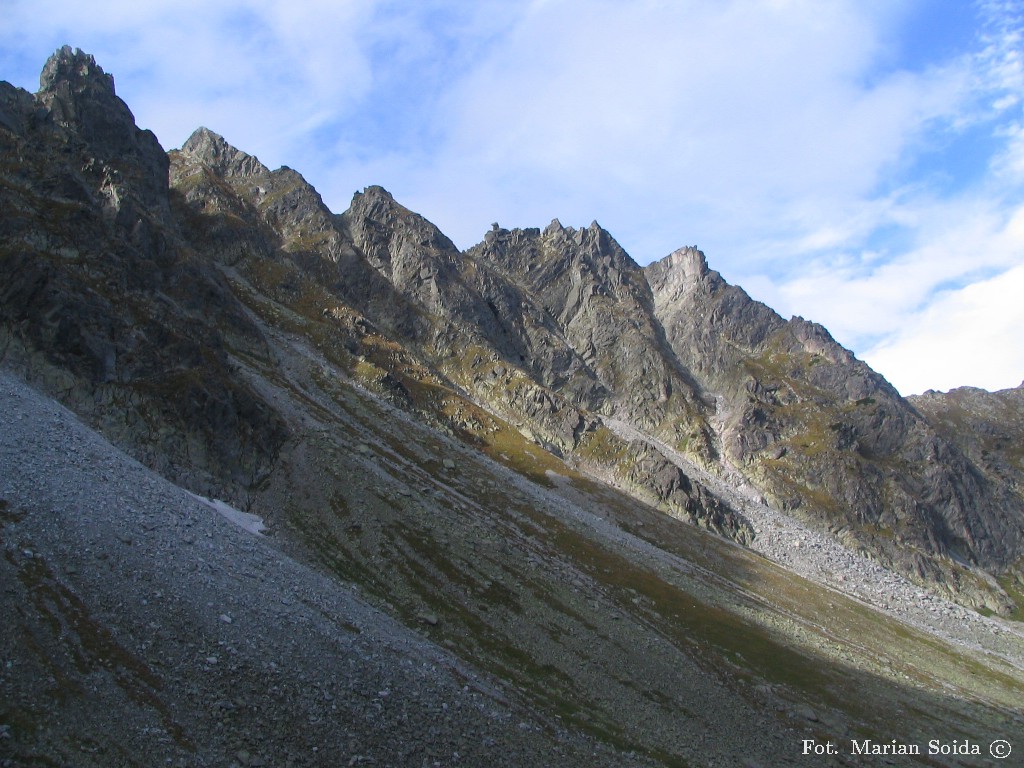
858,162
932,308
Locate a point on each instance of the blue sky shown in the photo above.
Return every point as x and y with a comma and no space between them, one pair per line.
856,162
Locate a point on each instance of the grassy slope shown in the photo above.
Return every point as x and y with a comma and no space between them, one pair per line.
605,613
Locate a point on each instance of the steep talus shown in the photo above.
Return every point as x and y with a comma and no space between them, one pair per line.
145,627
133,681
827,438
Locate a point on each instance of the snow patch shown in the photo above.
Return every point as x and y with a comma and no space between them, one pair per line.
245,520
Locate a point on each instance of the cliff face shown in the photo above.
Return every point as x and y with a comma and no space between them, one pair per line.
827,438
988,427
102,300
164,295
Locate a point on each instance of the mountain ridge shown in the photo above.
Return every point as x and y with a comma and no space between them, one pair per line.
534,454
565,330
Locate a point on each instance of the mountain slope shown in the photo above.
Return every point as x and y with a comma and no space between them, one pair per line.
573,640
446,333
989,428
143,628
822,435
427,425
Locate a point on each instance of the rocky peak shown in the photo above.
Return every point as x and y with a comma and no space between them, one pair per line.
594,242
383,228
603,308
375,193
376,204
283,197
80,94
80,99
213,151
682,266
586,256
75,68
816,340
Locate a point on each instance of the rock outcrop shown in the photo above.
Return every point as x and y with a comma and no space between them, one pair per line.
104,304
824,437
987,426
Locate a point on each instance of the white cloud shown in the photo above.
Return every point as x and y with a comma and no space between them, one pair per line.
978,328
723,119
864,296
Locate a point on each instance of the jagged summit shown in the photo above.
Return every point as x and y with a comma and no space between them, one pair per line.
590,249
79,93
375,204
677,272
69,65
80,103
214,151
375,191
689,261
556,226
